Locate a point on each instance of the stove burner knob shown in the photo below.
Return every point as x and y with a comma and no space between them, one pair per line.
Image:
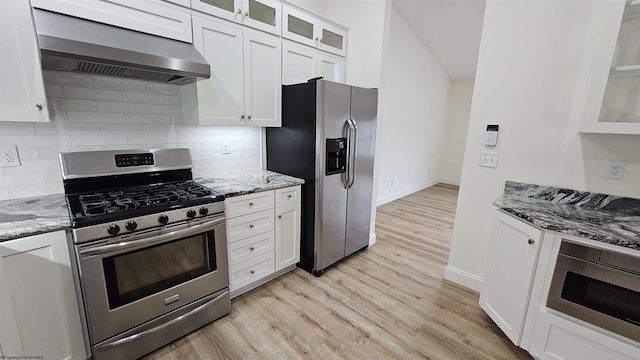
204,211
131,225
191,213
163,219
113,229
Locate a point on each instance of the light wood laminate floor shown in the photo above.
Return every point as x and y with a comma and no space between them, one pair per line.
387,302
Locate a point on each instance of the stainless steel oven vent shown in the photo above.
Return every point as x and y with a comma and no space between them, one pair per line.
120,71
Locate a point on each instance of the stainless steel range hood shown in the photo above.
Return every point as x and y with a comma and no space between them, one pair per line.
72,44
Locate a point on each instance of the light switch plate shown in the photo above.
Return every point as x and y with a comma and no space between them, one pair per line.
615,169
489,159
9,156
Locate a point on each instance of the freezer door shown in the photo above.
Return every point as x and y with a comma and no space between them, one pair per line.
331,196
364,105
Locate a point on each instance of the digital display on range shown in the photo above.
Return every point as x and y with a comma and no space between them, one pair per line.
125,160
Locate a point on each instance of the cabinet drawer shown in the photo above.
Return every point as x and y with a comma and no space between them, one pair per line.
247,204
251,247
250,271
249,225
286,196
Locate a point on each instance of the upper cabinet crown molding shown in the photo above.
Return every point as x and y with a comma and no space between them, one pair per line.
144,16
263,15
22,93
312,30
613,89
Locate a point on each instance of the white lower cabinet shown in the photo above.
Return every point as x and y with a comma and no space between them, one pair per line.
263,236
511,264
39,313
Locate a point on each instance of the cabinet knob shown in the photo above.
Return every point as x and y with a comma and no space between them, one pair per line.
251,226
250,204
39,107
531,241
246,13
249,117
239,11
289,196
242,116
279,216
251,248
252,272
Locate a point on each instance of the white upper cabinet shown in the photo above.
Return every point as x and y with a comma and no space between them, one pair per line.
246,80
300,63
613,102
309,29
22,94
259,14
144,16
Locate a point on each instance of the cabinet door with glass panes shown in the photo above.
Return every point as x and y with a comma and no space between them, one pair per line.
613,101
263,15
309,29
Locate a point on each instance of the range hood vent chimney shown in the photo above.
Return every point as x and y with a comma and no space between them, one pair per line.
76,45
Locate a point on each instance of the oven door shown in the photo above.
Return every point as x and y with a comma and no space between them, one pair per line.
135,278
586,287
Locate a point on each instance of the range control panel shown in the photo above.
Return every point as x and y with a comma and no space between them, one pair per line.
126,160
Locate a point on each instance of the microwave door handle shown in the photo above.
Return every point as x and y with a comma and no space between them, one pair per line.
353,155
126,245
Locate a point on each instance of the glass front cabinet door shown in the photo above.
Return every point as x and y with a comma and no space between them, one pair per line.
613,101
259,14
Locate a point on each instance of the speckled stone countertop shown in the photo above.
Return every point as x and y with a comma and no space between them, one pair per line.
606,218
36,215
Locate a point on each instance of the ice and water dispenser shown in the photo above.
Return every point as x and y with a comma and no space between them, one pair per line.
336,156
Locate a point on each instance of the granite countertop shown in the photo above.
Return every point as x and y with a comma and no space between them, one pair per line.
36,215
606,218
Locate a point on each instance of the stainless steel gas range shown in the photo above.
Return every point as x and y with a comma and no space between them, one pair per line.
150,248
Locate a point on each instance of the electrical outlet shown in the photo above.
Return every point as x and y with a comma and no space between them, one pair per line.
9,156
615,169
489,159
224,148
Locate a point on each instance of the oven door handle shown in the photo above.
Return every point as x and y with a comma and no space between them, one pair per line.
107,346
98,250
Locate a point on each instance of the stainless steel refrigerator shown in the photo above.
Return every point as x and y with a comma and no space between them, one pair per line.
328,138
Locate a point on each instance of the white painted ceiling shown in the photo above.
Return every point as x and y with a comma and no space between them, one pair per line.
450,29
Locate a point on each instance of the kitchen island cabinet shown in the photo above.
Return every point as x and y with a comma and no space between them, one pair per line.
39,310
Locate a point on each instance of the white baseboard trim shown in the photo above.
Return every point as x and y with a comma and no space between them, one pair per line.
404,192
461,277
455,182
372,239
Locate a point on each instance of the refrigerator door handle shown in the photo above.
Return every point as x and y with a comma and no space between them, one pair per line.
346,176
353,152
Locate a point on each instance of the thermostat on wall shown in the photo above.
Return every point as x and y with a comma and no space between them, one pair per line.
491,136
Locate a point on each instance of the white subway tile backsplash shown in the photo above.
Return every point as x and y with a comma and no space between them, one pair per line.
65,78
147,119
84,140
95,117
108,83
121,107
146,98
72,104
9,128
71,92
165,109
90,113
164,89
9,180
54,91
67,128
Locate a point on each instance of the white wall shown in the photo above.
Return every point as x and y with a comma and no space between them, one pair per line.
416,99
100,113
531,80
456,133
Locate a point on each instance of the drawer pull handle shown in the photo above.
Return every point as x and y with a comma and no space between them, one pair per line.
531,241
251,248
251,226
252,272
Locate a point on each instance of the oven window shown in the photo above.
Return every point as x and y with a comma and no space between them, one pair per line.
138,274
602,297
